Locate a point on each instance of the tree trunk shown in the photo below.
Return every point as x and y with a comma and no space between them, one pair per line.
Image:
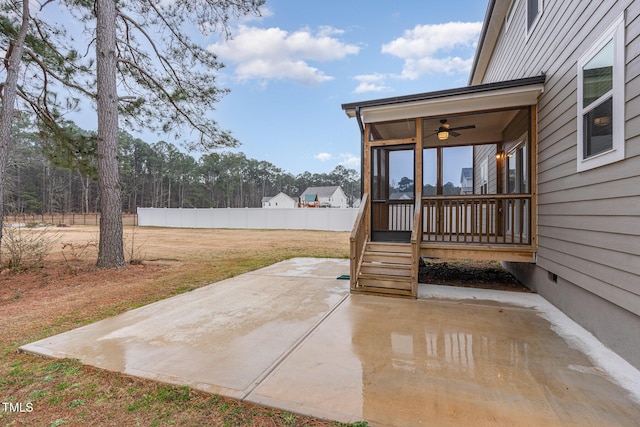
110,251
85,193
8,101
169,194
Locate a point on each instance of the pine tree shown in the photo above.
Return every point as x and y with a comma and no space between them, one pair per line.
146,72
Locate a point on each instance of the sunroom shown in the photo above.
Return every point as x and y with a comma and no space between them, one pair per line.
446,174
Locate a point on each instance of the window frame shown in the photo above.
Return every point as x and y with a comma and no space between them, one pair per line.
535,21
519,155
510,13
484,176
615,33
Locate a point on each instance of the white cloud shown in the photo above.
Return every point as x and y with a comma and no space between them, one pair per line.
323,157
428,49
265,11
345,159
273,53
370,83
349,160
326,30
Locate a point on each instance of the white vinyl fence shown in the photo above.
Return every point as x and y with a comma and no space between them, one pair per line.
329,219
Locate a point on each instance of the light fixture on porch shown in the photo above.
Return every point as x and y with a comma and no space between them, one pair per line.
443,131
602,121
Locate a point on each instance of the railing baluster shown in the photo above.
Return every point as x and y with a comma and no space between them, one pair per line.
499,219
513,220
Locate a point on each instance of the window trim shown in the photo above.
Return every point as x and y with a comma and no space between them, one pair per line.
534,24
518,153
484,176
510,13
614,32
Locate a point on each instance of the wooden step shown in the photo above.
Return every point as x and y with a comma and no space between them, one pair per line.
386,269
389,247
378,281
388,258
383,291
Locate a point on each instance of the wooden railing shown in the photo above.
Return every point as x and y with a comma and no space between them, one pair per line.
358,239
416,240
495,219
393,215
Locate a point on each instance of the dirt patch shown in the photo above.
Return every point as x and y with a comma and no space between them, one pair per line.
469,274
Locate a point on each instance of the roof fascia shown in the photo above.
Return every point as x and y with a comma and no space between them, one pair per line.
514,93
491,31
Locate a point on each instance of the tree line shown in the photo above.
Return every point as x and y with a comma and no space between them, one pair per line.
47,176
134,60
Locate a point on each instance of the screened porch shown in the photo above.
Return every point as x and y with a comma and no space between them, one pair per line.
447,174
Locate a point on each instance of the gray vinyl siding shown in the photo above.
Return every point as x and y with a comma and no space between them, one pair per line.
588,222
514,130
511,135
482,152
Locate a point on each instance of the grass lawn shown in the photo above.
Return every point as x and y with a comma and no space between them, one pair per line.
67,293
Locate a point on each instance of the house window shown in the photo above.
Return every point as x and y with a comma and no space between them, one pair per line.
517,170
601,100
534,10
484,177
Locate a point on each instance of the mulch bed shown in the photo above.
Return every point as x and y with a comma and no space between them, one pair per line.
470,274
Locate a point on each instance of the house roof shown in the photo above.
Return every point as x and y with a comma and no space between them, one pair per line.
504,94
491,31
320,191
399,195
266,199
466,173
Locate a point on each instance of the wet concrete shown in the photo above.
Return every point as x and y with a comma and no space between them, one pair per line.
221,338
291,337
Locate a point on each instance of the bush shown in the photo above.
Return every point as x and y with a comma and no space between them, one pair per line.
24,249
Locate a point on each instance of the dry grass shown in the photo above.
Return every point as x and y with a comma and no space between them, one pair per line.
67,292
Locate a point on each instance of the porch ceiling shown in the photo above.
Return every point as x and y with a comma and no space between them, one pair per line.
507,94
489,127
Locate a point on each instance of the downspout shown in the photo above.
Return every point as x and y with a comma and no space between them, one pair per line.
359,118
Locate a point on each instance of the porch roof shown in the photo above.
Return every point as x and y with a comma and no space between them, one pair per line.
504,94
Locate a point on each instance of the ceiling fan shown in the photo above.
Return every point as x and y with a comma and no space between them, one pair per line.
445,130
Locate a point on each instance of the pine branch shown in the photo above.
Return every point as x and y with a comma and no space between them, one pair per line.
46,71
168,97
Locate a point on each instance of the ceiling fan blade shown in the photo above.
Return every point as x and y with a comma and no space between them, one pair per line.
454,133
463,127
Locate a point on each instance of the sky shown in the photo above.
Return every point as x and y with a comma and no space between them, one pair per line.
290,71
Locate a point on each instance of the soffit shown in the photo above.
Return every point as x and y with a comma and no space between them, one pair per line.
491,32
509,94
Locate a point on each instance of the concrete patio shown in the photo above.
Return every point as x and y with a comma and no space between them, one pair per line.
290,336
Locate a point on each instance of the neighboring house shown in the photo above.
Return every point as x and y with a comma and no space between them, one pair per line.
466,181
328,197
401,196
279,201
552,112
